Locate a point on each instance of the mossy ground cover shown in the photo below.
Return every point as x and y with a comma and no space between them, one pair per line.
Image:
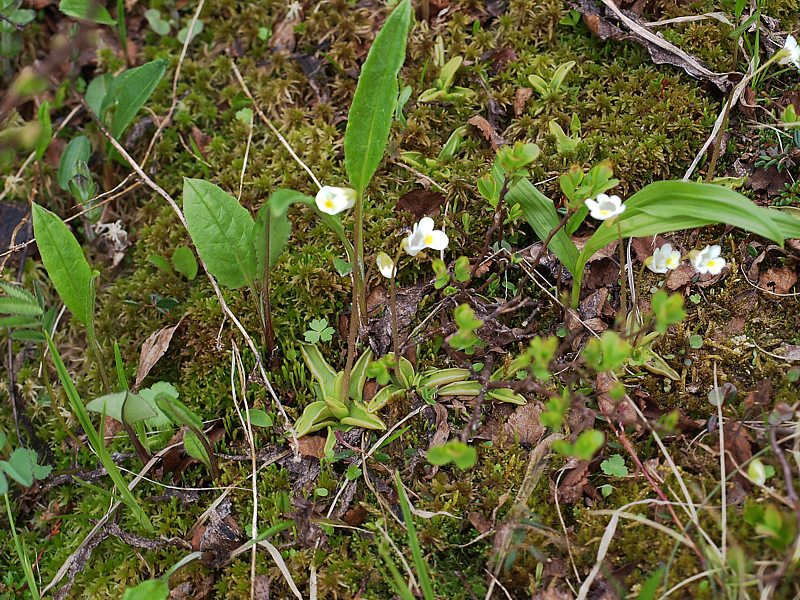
648,120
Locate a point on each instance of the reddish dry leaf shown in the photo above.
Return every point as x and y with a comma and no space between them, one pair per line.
521,98
312,446
738,450
620,412
479,522
153,349
442,433
778,280
572,483
489,132
523,424
757,402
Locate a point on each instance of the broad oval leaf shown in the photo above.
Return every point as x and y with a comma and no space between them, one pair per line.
123,406
221,230
128,92
184,262
65,263
370,118
195,448
87,10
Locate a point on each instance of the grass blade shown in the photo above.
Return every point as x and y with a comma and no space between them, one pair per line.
413,543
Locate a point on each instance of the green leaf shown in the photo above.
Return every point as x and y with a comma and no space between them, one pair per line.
160,421
157,24
614,465
315,416
125,407
358,376
587,444
128,93
96,92
459,453
195,448
360,417
221,230
273,228
3,484
540,212
20,466
184,262
177,411
65,263
2,441
12,306
370,118
78,149
47,130
95,441
649,588
87,10
160,262
666,206
320,369
152,589
184,32
18,292
260,418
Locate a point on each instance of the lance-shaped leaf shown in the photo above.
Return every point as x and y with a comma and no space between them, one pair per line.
676,205
371,112
222,231
65,263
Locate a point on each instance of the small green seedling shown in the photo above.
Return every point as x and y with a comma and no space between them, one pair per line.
319,331
454,451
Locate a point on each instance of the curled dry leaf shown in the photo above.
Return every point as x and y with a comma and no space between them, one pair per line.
488,131
153,349
521,98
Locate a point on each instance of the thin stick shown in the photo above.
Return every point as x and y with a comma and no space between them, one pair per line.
272,127
166,120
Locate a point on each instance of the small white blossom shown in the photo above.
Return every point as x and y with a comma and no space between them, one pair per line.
385,265
757,472
664,259
333,200
790,52
708,260
605,207
424,236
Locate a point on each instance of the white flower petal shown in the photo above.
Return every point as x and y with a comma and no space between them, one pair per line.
437,240
385,265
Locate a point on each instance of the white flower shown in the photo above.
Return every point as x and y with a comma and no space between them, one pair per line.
385,265
663,259
604,207
333,200
424,236
790,52
708,260
757,472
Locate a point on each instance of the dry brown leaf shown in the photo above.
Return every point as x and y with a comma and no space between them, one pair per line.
523,424
622,411
757,402
572,483
442,433
479,522
153,349
489,132
738,450
778,280
521,98
312,446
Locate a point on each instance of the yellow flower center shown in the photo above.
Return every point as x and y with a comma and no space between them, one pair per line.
428,239
711,263
604,212
329,203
